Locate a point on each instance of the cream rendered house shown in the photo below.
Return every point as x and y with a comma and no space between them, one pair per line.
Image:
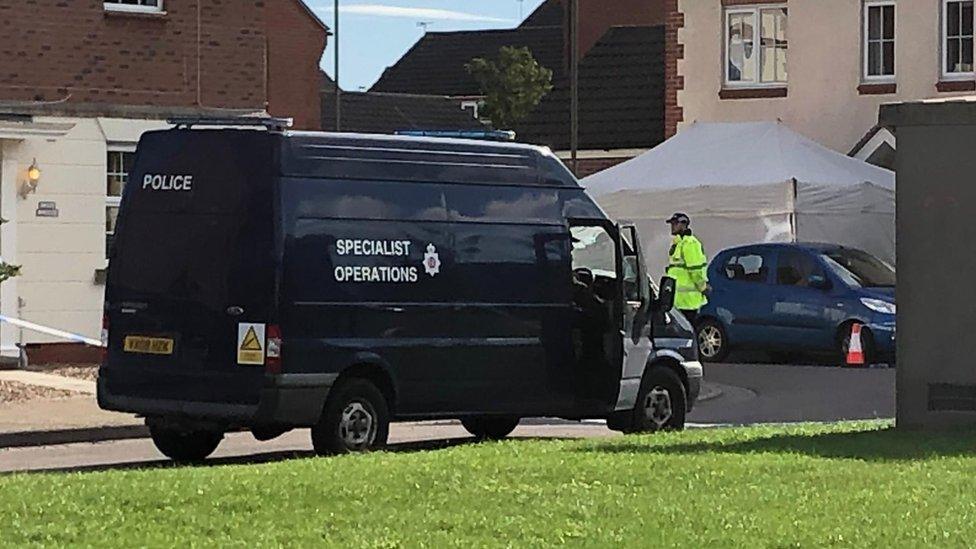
823,67
58,229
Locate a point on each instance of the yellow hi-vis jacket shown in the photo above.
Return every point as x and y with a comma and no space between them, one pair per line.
688,266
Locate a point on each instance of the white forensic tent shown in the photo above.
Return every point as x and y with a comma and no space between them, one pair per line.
743,183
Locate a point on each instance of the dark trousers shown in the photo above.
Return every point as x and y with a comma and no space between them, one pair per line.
690,315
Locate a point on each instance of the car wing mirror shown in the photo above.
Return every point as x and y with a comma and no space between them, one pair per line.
665,295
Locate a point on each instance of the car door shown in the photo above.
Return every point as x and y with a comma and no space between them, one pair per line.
742,298
803,301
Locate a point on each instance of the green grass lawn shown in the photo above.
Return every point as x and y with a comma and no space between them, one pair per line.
858,484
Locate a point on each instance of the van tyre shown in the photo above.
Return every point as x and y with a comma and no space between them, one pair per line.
712,340
490,428
661,403
356,418
184,446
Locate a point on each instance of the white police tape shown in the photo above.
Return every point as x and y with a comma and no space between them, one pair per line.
51,331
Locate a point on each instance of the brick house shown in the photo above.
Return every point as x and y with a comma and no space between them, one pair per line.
80,82
823,67
621,50
389,113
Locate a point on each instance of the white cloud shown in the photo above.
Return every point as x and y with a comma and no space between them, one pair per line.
417,14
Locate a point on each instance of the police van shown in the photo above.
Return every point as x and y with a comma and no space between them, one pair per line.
263,279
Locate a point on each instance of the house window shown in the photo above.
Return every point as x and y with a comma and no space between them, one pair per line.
150,6
879,40
117,175
755,46
957,38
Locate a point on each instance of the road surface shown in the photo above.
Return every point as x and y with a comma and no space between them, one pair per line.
750,394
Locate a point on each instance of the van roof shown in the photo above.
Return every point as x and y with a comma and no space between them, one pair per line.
408,159
421,159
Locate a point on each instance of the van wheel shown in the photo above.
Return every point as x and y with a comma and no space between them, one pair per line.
713,341
184,446
490,428
356,419
661,403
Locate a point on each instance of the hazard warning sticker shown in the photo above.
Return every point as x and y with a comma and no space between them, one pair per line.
250,344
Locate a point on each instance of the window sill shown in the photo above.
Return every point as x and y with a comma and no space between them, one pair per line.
956,86
134,14
878,88
752,93
733,3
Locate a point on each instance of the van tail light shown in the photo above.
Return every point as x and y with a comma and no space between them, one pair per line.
272,363
104,337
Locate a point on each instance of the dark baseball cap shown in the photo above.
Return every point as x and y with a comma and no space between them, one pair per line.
679,218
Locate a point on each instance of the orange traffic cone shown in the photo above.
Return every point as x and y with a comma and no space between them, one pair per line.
855,352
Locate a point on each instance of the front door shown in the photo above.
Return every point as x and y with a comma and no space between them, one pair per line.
599,313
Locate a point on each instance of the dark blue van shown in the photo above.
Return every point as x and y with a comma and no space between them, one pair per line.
268,280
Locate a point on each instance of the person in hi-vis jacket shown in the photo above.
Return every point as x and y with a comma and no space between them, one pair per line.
688,266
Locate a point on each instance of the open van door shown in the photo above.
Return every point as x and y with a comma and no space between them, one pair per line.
601,314
637,307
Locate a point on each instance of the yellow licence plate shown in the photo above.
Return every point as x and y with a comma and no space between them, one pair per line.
149,345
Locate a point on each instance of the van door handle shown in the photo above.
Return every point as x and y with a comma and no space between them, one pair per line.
394,309
234,310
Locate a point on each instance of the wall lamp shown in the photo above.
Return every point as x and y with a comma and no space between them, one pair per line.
33,176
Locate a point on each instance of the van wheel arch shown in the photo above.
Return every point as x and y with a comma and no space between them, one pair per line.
375,373
670,363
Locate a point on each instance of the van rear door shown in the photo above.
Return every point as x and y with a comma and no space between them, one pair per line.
193,260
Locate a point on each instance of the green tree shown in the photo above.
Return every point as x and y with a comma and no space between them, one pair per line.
7,271
513,84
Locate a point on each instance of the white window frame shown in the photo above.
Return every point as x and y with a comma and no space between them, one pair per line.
865,21
473,106
132,8
755,10
943,40
114,201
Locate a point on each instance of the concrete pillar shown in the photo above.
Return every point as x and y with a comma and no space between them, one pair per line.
936,377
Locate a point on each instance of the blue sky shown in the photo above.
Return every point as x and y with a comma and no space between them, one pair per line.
373,34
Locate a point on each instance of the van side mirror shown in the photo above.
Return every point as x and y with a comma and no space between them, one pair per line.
665,295
819,282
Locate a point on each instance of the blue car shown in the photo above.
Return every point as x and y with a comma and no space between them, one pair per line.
788,299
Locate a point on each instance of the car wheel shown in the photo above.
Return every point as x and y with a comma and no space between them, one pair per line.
356,418
844,343
184,446
490,428
713,342
661,402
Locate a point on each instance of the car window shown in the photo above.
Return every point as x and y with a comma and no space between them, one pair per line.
859,269
747,267
796,268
